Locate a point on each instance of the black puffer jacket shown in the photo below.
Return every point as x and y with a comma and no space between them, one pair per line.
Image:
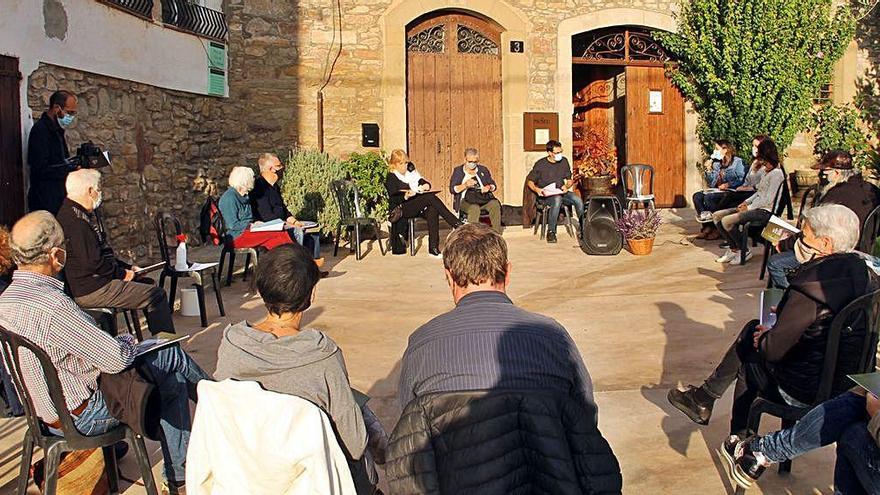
795,347
500,443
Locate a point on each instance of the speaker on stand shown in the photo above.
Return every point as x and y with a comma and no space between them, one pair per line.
600,236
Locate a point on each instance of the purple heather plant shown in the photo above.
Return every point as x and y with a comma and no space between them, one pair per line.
639,224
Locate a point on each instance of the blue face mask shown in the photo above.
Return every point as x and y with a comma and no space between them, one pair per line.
65,120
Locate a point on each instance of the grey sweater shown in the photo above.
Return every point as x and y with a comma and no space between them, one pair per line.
308,365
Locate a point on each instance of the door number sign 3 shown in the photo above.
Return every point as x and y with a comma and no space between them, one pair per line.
517,46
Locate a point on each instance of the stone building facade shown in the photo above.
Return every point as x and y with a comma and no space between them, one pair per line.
174,144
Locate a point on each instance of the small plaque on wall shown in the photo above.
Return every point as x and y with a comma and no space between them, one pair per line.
538,128
655,101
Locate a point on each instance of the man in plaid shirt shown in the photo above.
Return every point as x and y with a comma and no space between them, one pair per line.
36,307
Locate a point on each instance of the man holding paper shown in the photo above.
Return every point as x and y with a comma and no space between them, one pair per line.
551,179
95,277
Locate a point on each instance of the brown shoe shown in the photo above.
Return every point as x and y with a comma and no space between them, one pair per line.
319,262
713,236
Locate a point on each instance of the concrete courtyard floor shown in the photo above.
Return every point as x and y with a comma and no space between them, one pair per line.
642,324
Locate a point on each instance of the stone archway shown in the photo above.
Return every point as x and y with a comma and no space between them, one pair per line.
514,77
604,19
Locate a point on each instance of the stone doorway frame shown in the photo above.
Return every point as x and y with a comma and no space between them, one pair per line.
607,18
514,76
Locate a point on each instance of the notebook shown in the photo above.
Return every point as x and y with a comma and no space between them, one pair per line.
768,300
276,225
868,381
159,341
778,229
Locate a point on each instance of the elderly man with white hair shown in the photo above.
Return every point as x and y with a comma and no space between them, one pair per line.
35,307
784,362
95,277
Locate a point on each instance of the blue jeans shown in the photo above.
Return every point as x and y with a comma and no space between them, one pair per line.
556,203
779,265
843,420
12,403
311,241
175,375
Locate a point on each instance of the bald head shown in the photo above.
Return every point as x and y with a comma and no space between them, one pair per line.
35,241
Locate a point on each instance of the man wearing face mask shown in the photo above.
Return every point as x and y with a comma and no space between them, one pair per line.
839,184
784,362
472,186
95,277
48,153
554,170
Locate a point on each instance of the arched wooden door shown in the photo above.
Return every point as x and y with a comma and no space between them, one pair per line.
453,95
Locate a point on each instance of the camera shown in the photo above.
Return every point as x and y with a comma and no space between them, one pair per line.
89,155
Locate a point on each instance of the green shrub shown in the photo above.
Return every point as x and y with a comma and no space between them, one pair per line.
306,187
838,127
754,66
368,171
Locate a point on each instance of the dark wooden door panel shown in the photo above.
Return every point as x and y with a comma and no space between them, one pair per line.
453,96
11,168
656,138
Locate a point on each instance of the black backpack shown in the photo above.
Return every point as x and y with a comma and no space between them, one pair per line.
210,222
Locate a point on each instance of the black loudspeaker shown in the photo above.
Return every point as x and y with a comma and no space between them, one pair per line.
370,135
600,235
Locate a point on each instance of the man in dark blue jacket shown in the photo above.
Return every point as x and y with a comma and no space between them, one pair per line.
472,186
48,153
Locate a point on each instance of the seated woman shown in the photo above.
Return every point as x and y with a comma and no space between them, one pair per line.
724,172
754,174
756,207
407,189
235,207
284,357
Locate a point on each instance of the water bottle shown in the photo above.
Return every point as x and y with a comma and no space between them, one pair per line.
180,263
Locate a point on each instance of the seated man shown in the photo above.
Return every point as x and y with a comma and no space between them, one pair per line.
95,277
268,204
840,184
472,186
37,308
487,344
784,363
850,420
554,170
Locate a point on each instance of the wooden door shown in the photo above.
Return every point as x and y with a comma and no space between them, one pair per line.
655,136
453,96
11,168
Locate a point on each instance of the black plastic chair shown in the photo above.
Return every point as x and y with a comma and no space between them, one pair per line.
870,232
348,199
542,213
229,251
634,178
53,446
864,311
808,200
160,224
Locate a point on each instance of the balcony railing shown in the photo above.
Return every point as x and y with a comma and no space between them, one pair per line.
142,8
194,18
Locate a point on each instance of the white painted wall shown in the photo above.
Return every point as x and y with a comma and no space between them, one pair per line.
103,40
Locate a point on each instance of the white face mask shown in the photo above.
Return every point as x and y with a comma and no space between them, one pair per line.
717,155
805,253
557,157
472,165
98,200
754,152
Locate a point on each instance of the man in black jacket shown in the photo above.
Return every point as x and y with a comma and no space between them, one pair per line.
785,362
48,153
95,277
472,186
840,184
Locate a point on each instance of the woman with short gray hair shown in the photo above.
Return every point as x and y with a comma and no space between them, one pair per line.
238,217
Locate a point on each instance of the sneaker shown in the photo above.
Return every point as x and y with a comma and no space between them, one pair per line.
724,245
551,237
737,260
747,466
688,401
705,217
728,451
435,253
726,257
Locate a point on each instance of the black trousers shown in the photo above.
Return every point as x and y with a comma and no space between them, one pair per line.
433,209
753,380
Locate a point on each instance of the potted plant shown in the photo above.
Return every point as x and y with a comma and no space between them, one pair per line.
596,162
639,228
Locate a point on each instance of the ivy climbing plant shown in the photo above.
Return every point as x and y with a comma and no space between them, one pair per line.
753,67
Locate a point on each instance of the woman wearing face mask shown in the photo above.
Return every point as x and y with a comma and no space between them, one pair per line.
408,190
756,208
724,172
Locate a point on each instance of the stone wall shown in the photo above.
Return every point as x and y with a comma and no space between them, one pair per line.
166,147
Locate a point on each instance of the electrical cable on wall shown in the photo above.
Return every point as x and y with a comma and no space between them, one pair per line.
328,70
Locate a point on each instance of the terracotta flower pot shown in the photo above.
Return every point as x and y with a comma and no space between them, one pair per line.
640,247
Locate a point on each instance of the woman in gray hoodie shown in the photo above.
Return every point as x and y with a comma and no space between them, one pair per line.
285,358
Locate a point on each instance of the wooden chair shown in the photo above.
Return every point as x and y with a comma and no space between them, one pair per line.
863,312
160,224
38,434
